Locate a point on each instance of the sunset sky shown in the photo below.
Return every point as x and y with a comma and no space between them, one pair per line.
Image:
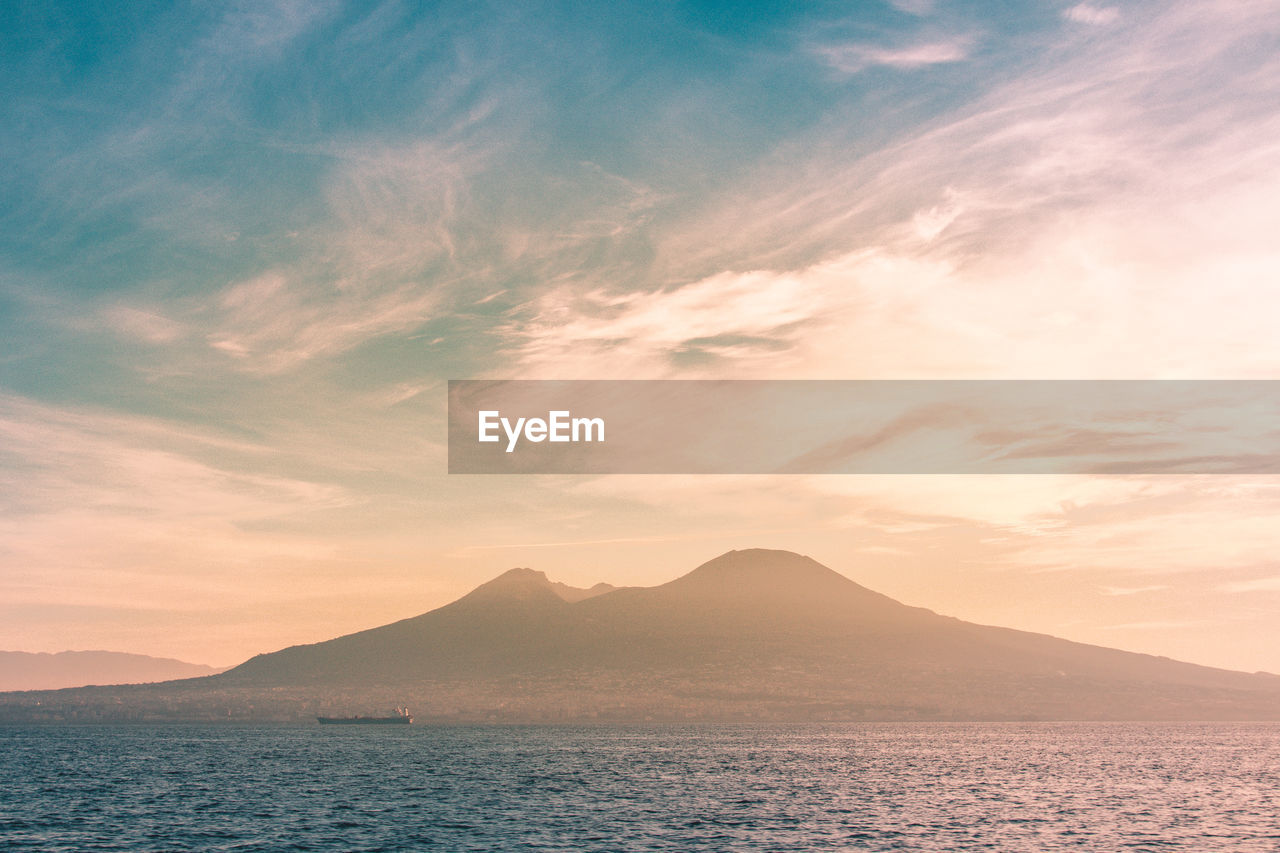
243,247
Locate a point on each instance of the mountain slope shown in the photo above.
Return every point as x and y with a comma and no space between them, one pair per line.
45,671
750,635
771,625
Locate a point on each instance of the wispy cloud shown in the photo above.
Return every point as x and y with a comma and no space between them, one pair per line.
1271,584
852,58
1068,216
311,214
81,458
745,318
244,38
270,324
140,324
913,7
1159,625
129,513
1132,590
1085,13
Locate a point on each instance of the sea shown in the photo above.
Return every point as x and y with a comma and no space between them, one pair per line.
1006,787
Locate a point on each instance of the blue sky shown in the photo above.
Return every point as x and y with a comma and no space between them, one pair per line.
242,247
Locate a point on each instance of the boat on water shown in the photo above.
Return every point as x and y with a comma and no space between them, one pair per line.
402,718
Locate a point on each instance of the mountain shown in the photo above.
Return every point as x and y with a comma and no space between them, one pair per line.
44,671
750,635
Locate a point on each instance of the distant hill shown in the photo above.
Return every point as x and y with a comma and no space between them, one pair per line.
45,671
750,635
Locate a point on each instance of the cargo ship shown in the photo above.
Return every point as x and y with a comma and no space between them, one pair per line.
402,718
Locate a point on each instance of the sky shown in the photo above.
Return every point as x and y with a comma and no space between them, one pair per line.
244,246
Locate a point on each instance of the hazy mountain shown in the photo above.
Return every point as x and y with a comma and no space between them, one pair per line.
45,671
749,635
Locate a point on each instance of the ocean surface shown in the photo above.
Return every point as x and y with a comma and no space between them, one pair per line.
1007,787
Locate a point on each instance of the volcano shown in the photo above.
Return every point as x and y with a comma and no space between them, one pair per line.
750,635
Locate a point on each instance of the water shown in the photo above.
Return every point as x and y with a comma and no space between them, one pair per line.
1040,787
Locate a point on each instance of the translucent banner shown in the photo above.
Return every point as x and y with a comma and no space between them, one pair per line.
864,427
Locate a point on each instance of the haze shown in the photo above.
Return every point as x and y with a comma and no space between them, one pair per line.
244,249
753,635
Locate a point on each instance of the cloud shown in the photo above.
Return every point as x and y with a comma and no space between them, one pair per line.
271,324
913,7
749,318
1271,584
946,418
852,58
1159,625
229,175
149,326
1060,221
1132,590
1052,227
245,38
128,513
1136,528
85,460
1084,13
384,261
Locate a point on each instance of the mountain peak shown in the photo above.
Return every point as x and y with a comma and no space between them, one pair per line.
750,559
522,584
514,585
761,565
768,581
520,576
748,635
573,593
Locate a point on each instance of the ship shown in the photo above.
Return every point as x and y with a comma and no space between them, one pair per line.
402,718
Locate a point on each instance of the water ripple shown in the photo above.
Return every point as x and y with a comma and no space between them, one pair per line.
883,787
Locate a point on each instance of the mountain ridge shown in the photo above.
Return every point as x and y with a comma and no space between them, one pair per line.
774,605
57,670
749,635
